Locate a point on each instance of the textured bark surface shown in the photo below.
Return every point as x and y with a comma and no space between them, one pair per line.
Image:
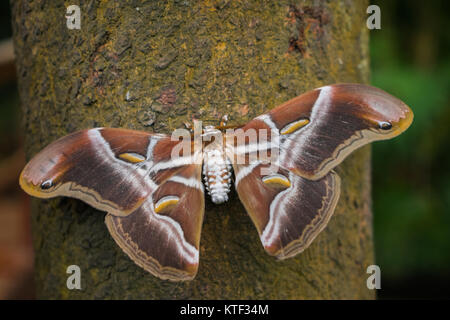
153,66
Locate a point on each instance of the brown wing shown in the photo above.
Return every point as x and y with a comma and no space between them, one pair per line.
317,130
163,235
154,201
303,140
288,211
107,168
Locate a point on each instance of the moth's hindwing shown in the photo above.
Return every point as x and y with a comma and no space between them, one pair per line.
288,211
163,235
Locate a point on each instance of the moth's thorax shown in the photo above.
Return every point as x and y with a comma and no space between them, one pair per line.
216,168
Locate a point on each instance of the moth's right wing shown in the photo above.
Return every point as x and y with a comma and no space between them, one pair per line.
106,168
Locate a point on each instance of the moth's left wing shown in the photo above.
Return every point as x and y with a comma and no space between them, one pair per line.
288,211
163,235
303,140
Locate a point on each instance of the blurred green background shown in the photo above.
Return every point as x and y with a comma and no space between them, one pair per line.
410,58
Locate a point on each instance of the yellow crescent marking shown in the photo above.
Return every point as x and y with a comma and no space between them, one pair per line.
404,123
277,179
165,202
291,127
132,157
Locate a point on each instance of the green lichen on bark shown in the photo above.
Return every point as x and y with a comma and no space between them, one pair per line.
156,65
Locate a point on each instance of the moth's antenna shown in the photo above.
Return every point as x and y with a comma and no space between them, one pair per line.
224,120
188,126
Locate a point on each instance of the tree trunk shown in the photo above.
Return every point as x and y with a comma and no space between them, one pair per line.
154,66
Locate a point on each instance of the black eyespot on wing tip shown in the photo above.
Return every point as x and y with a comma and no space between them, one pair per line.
46,184
384,125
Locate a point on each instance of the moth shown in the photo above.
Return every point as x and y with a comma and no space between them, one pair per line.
155,201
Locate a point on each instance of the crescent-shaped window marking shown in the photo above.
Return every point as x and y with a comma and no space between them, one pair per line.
132,157
165,203
277,180
293,126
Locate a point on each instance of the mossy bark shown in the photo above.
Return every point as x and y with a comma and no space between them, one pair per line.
156,65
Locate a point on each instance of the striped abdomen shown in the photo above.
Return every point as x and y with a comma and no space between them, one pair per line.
217,174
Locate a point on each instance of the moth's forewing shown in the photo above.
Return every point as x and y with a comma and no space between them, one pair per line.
321,127
100,166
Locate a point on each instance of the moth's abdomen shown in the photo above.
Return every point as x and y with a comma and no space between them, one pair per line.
217,175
